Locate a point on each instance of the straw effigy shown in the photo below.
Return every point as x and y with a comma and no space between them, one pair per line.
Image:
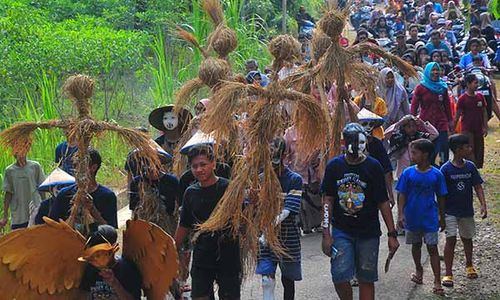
80,88
212,70
254,170
331,63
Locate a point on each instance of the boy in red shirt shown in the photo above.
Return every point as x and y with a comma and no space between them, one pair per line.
471,107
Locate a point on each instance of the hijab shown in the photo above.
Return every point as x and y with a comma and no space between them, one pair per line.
437,87
393,96
485,19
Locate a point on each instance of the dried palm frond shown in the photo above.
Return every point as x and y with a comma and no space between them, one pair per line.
19,137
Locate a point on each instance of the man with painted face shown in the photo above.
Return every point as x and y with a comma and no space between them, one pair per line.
172,125
106,276
353,193
291,271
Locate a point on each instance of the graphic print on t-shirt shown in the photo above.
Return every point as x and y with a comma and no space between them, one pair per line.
350,192
102,290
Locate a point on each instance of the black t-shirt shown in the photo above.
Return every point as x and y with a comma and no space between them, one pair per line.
43,210
215,249
166,188
376,150
357,191
104,200
187,178
125,271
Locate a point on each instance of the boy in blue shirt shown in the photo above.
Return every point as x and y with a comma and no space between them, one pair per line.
461,177
418,187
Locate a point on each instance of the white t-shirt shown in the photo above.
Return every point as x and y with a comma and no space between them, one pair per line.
22,183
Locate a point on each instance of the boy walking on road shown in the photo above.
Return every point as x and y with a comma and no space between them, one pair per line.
354,192
461,177
418,187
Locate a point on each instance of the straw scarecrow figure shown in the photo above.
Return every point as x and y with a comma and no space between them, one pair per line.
334,64
212,70
51,265
83,129
211,73
254,172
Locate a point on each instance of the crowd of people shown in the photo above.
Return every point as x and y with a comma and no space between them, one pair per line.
396,156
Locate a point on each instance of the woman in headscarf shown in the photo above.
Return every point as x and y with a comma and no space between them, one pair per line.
395,96
369,100
431,103
452,13
485,19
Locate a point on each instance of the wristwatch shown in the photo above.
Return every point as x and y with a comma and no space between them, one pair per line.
392,234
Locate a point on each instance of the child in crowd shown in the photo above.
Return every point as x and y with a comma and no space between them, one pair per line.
401,134
418,187
20,183
461,177
471,108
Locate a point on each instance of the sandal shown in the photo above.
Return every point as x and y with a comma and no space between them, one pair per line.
438,291
447,281
416,279
471,272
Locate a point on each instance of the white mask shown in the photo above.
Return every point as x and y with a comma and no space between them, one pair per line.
170,120
362,144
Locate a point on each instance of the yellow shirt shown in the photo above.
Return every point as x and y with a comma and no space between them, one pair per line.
378,107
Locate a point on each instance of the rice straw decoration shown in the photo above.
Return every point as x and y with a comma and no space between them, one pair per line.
254,170
83,128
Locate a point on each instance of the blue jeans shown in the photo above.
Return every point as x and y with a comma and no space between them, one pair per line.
355,256
441,148
291,270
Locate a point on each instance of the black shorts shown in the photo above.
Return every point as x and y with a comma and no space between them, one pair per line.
202,282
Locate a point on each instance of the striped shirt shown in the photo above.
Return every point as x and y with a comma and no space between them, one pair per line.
291,186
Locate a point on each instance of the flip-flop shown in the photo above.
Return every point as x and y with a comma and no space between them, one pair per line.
416,279
447,281
471,272
438,291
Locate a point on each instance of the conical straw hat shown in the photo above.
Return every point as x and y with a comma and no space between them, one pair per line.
198,138
57,178
366,116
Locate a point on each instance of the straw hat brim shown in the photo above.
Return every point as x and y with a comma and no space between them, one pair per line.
56,178
198,138
156,118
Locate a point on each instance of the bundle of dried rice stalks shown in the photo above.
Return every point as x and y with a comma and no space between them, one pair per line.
79,88
254,171
284,48
319,44
211,72
222,40
19,137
